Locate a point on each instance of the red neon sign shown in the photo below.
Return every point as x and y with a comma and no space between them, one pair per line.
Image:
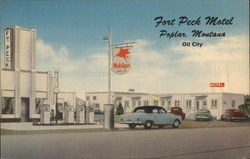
221,84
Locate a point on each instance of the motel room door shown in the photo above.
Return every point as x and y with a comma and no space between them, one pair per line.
25,104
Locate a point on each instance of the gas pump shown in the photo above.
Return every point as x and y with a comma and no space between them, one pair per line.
91,115
45,114
69,115
80,114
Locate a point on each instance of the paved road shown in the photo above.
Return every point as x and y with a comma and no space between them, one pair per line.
205,143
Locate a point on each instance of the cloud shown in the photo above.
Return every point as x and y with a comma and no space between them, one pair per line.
51,59
171,69
225,60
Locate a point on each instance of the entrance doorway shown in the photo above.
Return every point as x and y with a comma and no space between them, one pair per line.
25,105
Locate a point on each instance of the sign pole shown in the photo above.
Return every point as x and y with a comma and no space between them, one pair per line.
109,67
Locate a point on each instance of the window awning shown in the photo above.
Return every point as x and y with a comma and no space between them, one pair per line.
135,98
200,97
166,98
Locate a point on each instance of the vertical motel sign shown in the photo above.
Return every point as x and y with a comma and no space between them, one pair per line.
7,48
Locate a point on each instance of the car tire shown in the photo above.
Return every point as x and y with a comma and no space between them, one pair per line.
132,126
148,124
176,124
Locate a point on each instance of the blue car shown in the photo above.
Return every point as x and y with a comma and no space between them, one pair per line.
149,116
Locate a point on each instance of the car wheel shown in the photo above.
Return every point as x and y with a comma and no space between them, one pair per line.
176,124
132,126
148,124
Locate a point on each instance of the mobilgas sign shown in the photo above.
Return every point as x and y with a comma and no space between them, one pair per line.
121,58
7,48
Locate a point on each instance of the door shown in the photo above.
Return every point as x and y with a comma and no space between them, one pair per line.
25,104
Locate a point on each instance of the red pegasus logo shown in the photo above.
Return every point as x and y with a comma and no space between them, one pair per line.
123,53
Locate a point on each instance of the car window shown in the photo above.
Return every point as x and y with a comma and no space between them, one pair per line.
140,111
162,111
155,110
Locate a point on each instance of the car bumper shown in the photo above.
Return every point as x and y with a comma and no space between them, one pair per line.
238,118
202,118
131,122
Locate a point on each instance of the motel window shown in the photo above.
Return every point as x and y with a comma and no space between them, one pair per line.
188,103
145,102
39,104
139,103
8,105
162,103
126,103
204,102
233,103
214,104
197,105
133,103
94,98
169,103
156,102
177,103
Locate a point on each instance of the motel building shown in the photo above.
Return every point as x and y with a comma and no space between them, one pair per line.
217,103
24,91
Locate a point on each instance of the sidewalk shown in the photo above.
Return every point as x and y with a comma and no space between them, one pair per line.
28,126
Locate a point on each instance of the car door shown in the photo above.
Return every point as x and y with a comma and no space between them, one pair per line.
160,117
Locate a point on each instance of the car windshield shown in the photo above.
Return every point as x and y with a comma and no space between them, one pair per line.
203,111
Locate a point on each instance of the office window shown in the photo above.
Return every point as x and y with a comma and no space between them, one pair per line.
94,97
233,103
8,105
97,106
39,104
87,98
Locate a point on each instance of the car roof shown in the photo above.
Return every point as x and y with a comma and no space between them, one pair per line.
148,108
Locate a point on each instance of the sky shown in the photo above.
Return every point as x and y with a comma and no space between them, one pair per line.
70,40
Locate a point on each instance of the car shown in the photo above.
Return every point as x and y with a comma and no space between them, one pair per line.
98,112
233,114
149,116
178,111
203,114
